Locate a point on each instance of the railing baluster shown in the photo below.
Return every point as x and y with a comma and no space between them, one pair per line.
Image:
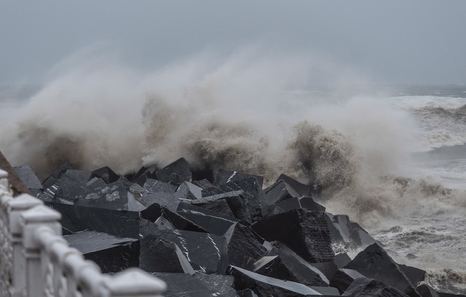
17,206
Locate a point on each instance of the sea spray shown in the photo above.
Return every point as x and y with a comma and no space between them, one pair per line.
261,114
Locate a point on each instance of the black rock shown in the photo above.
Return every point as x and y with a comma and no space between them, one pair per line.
244,246
305,232
415,275
186,206
223,177
166,200
101,195
301,189
309,204
76,218
188,190
426,291
341,260
343,278
273,266
267,286
197,285
302,271
370,287
278,192
205,252
246,293
73,184
252,192
219,206
107,174
203,184
143,173
111,253
156,186
29,178
374,262
210,223
176,172
155,211
360,237
161,255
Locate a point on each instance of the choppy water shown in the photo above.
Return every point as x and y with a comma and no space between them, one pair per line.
392,158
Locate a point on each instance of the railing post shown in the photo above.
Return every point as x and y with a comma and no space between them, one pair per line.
134,283
16,206
6,265
31,221
4,178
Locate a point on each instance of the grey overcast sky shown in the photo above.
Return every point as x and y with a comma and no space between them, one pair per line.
396,41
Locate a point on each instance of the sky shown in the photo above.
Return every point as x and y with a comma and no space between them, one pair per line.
412,42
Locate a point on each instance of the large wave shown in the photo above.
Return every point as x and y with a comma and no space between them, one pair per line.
253,111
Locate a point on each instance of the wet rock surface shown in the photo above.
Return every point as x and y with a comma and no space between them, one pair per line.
226,235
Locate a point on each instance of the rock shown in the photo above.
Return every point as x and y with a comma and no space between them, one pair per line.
278,192
166,200
341,260
155,211
309,204
175,173
197,285
301,189
415,275
273,266
161,255
101,195
72,185
188,190
360,237
210,223
343,278
29,179
203,183
186,206
369,287
244,246
156,186
268,286
374,262
302,271
252,193
305,232
205,252
106,174
219,206
247,293
115,222
111,253
223,177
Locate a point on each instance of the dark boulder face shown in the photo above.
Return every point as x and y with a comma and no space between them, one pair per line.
176,172
370,287
305,232
374,262
111,253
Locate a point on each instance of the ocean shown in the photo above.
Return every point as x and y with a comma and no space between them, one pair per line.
393,157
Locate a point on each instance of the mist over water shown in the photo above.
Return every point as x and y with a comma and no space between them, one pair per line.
255,111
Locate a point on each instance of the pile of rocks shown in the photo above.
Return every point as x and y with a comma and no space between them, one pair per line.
219,234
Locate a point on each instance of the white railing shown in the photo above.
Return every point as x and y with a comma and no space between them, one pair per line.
35,260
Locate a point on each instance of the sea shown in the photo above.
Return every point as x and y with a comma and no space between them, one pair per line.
392,157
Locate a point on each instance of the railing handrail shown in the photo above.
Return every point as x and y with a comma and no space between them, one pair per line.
36,260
